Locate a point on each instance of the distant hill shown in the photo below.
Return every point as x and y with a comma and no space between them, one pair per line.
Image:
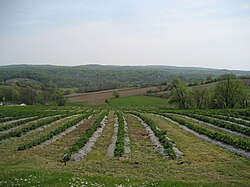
98,77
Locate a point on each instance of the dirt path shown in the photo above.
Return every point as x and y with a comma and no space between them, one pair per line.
13,121
127,149
111,147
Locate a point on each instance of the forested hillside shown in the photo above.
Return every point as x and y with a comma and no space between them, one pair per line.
97,77
47,84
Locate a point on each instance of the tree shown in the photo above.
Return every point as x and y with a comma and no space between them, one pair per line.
180,94
229,92
227,76
39,97
200,97
116,94
58,97
28,95
209,78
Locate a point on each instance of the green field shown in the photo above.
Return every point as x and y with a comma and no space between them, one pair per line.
138,101
202,163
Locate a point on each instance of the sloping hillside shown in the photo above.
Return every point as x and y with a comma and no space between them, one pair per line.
101,96
96,77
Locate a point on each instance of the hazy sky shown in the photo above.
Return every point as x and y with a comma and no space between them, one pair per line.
203,33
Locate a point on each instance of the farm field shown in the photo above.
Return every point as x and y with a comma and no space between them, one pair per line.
100,97
125,93
95,146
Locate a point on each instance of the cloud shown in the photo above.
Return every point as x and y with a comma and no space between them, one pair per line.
184,33
107,43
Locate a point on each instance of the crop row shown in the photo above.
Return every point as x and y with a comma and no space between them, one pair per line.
17,123
10,118
219,115
223,124
54,132
17,114
168,146
4,119
231,119
219,136
119,146
33,126
244,114
80,143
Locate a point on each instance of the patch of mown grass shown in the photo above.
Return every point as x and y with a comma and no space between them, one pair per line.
136,101
54,178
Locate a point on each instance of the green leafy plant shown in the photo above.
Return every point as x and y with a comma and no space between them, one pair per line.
119,146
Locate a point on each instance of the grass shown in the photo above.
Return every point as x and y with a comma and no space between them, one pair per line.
138,101
45,177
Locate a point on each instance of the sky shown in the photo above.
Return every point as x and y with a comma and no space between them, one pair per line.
196,33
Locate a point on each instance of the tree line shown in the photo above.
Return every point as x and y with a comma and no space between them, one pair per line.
32,94
229,92
95,77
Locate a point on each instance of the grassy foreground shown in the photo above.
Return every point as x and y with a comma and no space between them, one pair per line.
203,164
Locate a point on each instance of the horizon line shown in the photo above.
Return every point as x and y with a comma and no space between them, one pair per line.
157,65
